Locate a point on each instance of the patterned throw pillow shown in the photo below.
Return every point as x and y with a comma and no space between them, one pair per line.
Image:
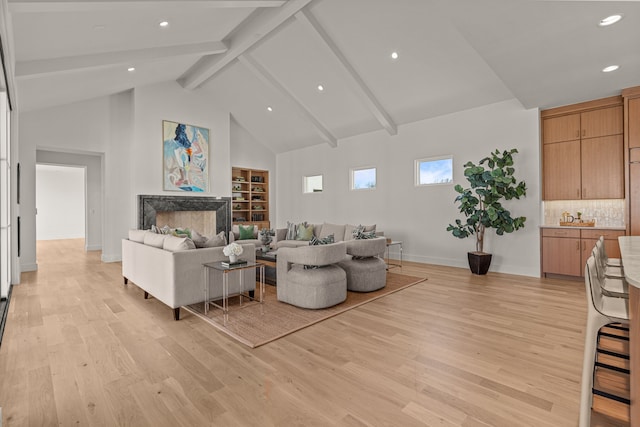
246,232
291,231
359,233
305,231
321,241
163,230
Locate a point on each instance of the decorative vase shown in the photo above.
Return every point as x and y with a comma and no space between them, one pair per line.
233,258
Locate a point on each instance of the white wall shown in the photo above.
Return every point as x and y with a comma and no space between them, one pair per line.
60,200
419,216
127,130
248,152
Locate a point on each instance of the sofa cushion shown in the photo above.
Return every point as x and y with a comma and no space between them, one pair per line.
246,232
137,235
175,243
336,229
305,231
155,240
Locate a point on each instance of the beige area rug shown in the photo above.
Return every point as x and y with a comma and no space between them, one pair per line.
256,324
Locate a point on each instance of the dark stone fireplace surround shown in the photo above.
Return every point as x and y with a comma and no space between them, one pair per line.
149,205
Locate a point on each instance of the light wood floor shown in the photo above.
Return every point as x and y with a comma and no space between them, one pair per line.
80,348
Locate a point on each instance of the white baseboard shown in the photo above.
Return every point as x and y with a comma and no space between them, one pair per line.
111,258
93,248
28,267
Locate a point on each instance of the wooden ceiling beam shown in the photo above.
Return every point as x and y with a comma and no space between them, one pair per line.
351,76
250,34
263,75
39,6
37,68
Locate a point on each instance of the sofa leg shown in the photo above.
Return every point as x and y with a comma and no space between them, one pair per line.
176,314
126,281
251,293
146,295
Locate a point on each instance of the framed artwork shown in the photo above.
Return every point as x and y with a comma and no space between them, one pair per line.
185,164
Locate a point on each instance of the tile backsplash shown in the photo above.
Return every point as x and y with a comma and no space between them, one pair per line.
607,213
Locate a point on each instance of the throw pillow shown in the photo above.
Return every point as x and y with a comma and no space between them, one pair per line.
198,239
163,230
305,231
291,231
174,243
321,240
218,240
182,232
349,231
359,233
246,233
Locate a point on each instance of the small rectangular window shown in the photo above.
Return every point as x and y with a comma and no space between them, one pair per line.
312,184
363,179
434,170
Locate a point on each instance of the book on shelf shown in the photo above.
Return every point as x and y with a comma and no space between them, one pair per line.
237,263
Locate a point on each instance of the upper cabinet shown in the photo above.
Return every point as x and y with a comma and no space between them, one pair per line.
583,151
632,134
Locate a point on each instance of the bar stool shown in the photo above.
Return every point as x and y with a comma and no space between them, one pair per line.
601,310
611,286
612,262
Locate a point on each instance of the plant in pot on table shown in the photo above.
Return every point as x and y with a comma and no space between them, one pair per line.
481,203
233,251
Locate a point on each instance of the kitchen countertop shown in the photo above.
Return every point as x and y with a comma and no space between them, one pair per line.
597,227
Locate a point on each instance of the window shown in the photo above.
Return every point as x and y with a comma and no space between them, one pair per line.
312,184
362,179
434,170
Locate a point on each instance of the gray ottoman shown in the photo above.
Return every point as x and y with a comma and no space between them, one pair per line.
365,275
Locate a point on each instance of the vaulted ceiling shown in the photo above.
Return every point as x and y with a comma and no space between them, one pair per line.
249,55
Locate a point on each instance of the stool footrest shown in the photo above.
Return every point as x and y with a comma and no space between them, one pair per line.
607,334
611,396
613,368
613,353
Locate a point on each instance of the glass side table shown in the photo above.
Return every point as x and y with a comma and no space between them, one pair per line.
393,243
226,270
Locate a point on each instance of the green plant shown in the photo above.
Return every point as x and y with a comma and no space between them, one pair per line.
480,203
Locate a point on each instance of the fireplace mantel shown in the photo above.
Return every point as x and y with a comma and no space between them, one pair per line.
149,205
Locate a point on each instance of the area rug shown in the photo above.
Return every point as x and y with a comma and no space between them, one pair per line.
256,324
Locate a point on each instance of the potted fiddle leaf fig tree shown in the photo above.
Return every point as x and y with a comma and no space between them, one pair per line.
490,182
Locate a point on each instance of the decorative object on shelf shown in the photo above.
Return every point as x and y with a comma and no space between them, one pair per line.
579,214
236,188
266,237
185,157
480,203
232,250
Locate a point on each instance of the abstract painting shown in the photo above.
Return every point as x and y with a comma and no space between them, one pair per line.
185,157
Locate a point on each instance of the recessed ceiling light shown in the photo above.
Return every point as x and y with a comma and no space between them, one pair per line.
394,55
131,69
269,109
610,20
164,24
610,68
99,27
320,88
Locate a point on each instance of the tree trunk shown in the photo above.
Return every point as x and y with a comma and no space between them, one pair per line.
480,239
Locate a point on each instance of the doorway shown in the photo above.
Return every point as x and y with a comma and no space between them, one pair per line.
60,202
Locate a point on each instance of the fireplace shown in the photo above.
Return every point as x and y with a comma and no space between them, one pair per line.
208,215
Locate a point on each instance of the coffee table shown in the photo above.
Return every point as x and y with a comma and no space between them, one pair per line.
269,260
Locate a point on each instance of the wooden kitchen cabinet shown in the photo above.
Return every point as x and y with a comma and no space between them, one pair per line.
602,167
565,250
632,134
583,151
561,251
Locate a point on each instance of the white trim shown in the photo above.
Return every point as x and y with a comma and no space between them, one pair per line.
416,170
